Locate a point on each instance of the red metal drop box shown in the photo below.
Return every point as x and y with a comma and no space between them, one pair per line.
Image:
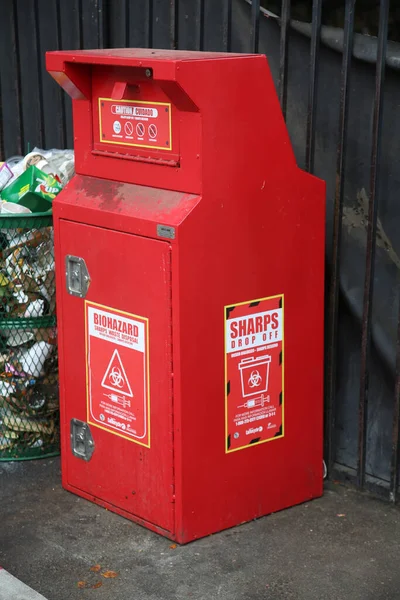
190,292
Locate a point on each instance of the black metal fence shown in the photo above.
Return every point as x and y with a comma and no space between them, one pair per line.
331,83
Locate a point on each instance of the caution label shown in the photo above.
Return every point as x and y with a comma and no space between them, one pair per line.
135,123
254,372
117,372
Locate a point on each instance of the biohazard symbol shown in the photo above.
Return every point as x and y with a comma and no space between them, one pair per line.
254,379
115,378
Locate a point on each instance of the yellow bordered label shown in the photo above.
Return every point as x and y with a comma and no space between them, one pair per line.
254,372
117,372
135,123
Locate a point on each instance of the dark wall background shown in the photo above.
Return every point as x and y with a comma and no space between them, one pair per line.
33,109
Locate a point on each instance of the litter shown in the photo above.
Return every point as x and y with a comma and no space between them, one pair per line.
29,406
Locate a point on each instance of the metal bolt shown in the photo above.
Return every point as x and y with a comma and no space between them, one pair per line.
148,73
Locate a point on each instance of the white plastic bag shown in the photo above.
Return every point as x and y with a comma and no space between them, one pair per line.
61,162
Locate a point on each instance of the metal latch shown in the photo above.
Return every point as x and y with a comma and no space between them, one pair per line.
77,276
82,444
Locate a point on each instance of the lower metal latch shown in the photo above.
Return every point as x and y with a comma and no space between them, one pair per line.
82,444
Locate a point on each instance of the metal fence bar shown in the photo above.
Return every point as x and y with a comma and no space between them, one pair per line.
89,17
394,467
337,222
200,25
126,44
49,38
80,20
103,22
10,75
255,25
371,239
63,123
2,151
312,90
15,48
283,54
39,72
149,16
227,26
174,24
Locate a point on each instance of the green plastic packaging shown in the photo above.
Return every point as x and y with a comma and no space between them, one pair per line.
33,189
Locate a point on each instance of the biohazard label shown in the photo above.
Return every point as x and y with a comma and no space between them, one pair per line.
254,372
117,372
135,123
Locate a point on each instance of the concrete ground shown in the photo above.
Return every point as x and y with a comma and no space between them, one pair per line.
343,546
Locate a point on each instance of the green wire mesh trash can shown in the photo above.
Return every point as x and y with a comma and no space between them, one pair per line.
29,410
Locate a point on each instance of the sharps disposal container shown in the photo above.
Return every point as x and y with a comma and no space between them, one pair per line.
189,255
254,373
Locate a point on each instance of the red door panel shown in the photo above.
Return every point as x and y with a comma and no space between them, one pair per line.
129,282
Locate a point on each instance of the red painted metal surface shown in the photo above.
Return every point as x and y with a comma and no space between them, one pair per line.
248,225
120,472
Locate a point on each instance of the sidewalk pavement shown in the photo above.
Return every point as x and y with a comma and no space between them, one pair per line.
343,546
13,589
